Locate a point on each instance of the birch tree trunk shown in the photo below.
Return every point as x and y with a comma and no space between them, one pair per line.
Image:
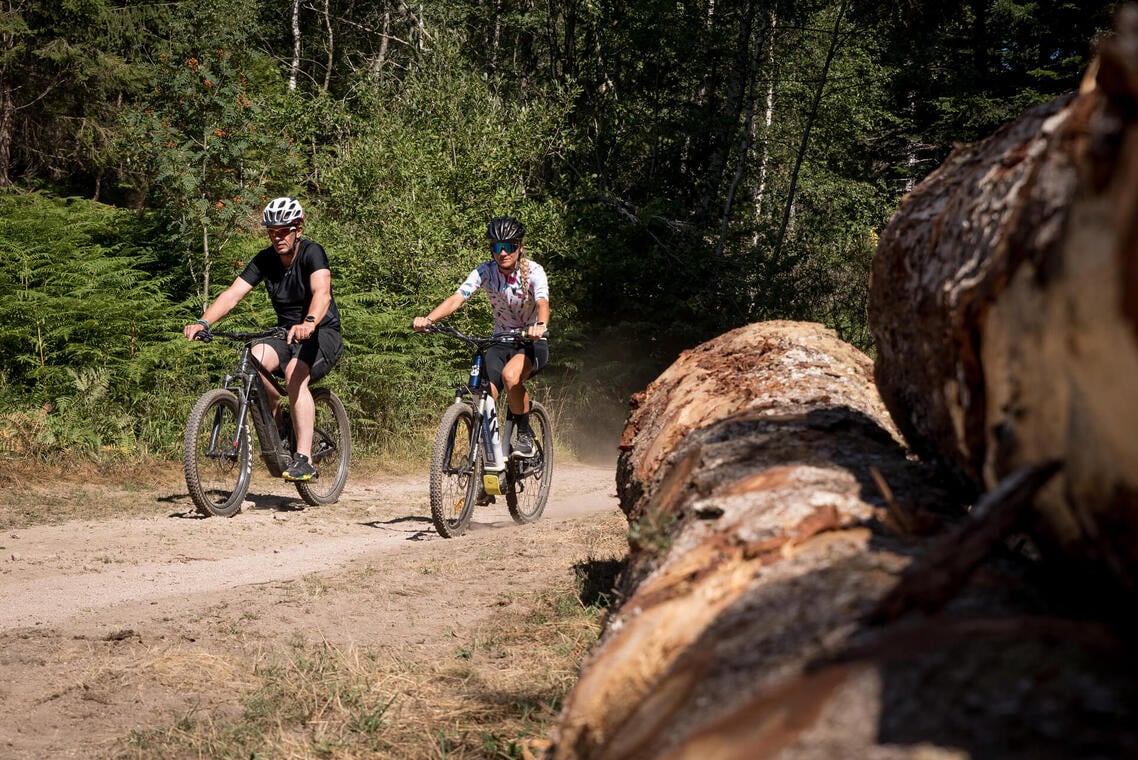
294,68
331,46
768,118
375,65
746,138
7,108
205,267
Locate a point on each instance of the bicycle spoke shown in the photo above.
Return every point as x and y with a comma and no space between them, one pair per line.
331,450
454,472
217,471
530,477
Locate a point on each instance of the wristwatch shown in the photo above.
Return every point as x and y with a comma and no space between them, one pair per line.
310,318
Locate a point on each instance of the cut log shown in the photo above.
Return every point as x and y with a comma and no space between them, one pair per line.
791,589
774,368
1004,305
800,586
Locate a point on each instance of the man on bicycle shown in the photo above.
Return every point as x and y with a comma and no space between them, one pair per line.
519,297
296,274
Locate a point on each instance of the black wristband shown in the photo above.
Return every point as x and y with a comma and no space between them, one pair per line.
310,318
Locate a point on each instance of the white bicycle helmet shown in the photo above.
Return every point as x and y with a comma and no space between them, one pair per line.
282,212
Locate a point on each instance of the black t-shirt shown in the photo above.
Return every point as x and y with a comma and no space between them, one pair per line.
290,289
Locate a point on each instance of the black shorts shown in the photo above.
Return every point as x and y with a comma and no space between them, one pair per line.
320,352
498,355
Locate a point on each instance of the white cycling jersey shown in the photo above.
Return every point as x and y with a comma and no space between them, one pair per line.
506,298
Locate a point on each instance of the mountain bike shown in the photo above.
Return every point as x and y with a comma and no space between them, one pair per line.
218,451
473,461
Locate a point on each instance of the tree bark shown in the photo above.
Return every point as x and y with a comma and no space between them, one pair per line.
760,188
1003,307
331,46
294,68
7,108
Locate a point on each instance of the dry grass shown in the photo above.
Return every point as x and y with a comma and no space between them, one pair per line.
36,493
490,694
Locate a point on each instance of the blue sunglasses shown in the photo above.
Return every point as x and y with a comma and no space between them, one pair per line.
497,248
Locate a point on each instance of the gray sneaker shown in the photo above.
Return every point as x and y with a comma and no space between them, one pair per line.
524,445
300,469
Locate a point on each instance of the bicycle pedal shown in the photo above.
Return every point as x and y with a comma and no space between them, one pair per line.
301,480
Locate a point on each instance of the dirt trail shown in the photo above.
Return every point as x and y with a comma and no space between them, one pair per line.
88,608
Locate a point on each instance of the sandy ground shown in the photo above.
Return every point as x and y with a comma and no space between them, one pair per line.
96,615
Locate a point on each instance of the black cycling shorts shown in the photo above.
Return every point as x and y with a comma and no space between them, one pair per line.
497,355
320,352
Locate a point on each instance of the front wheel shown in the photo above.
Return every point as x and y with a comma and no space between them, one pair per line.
456,471
218,463
529,478
331,450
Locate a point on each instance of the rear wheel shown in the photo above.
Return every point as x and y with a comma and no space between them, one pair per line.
217,463
456,471
331,450
529,478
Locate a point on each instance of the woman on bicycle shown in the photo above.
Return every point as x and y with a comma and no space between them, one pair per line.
299,282
519,297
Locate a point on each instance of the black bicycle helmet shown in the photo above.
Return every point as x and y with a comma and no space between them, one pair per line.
281,212
505,228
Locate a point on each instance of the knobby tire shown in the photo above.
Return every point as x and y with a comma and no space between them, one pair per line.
529,479
331,450
456,471
217,476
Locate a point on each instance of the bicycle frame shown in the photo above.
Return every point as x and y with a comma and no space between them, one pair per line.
247,382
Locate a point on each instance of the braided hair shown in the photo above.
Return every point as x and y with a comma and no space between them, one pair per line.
523,274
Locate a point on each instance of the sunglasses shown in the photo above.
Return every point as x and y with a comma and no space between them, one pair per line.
278,232
497,248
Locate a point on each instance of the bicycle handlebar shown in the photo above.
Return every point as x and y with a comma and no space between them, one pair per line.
205,336
484,341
